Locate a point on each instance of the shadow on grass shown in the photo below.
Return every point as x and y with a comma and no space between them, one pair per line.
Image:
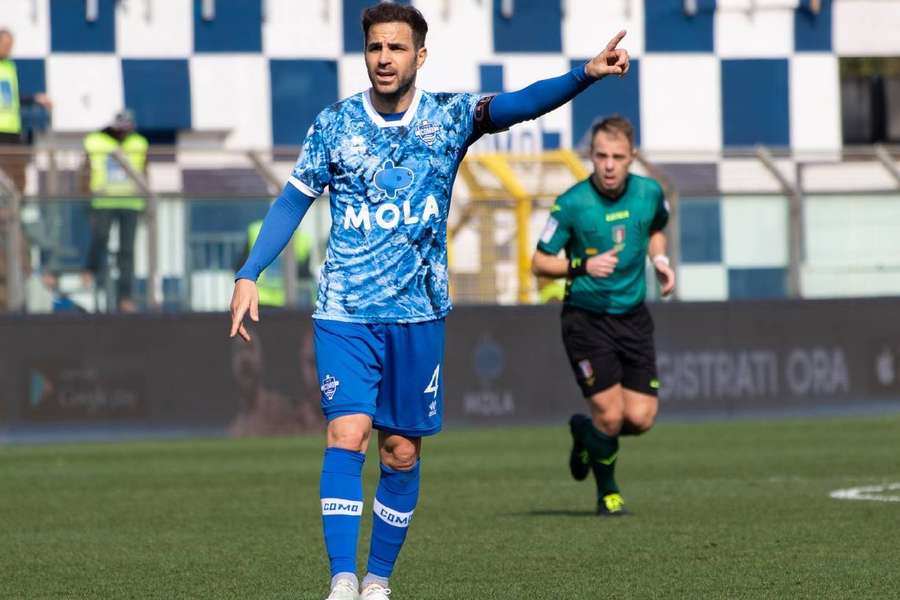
557,512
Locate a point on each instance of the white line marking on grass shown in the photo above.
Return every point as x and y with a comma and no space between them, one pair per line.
878,493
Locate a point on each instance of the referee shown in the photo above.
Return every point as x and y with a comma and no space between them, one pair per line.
607,225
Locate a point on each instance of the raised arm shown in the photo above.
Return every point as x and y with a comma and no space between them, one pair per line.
279,225
548,94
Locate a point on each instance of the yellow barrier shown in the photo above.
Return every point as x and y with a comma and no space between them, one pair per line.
504,188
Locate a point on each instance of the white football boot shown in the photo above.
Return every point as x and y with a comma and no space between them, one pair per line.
343,590
375,591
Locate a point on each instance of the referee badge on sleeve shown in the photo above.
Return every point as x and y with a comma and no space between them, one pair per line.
549,230
587,371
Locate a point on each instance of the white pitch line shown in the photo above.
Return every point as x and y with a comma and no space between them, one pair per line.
878,493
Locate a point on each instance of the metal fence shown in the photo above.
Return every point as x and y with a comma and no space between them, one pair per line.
834,217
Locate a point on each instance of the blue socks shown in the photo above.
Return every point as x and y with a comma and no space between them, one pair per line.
341,492
395,501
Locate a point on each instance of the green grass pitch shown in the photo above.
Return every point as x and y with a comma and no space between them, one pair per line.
721,510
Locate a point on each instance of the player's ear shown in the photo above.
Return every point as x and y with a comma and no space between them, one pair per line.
421,55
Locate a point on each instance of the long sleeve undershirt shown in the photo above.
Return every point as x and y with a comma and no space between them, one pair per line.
282,219
538,98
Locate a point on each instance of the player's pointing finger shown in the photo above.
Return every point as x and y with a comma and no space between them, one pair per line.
237,317
615,41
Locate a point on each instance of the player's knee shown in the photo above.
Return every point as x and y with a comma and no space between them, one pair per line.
400,456
348,438
609,421
642,420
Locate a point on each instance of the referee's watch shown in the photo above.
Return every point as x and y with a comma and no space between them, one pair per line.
577,268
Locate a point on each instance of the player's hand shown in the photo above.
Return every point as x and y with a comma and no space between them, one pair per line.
245,299
602,265
43,100
665,275
612,61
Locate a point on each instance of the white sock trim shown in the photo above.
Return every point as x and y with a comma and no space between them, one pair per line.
341,506
391,516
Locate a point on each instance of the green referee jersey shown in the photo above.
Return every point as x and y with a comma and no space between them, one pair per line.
585,223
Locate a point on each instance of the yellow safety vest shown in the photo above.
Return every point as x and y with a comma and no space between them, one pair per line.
554,291
107,175
270,283
10,119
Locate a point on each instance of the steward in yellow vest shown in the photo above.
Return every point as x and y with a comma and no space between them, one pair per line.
13,163
10,119
112,190
13,159
108,177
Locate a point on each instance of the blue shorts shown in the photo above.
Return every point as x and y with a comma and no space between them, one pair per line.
389,371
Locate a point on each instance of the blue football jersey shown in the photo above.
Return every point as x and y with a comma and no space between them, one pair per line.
390,184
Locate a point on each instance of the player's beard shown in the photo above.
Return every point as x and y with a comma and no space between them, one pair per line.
403,86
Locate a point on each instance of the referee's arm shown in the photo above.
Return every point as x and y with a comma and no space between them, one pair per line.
656,250
547,265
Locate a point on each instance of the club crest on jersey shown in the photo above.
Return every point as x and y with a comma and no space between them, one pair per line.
330,386
427,131
391,179
618,235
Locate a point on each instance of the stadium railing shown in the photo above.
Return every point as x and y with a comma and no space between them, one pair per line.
803,237
201,199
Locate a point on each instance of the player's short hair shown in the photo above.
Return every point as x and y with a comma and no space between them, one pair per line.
614,125
5,31
388,12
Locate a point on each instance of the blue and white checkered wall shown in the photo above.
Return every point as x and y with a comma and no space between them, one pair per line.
737,73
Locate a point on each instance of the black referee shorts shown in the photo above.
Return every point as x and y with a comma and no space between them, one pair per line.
606,349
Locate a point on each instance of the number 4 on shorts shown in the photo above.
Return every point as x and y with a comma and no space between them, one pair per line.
433,384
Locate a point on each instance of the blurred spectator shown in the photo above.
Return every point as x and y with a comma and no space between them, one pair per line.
116,198
12,158
10,117
268,411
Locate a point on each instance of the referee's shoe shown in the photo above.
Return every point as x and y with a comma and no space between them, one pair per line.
579,460
612,505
